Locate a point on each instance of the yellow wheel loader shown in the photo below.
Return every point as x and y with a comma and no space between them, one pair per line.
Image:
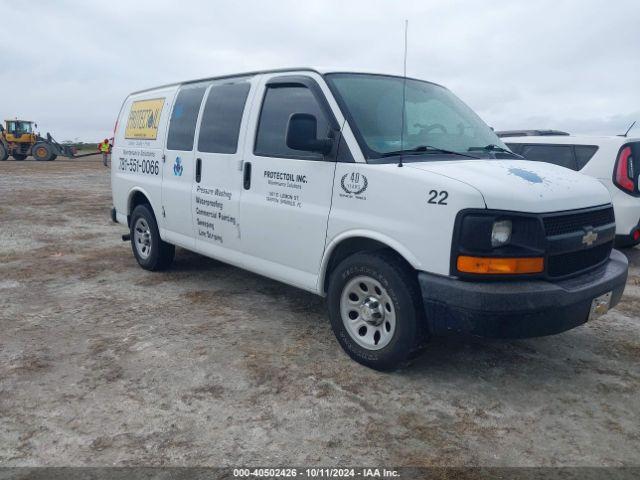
19,140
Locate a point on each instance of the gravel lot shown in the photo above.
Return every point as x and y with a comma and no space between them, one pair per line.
103,363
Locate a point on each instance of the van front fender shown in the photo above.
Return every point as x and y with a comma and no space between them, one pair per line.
363,234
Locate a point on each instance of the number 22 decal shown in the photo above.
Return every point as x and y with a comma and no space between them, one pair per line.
434,197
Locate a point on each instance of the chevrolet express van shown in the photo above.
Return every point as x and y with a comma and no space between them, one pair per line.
387,195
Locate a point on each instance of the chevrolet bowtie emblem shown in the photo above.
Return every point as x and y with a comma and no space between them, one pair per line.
589,238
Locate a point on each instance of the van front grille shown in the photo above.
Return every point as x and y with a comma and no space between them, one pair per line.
576,222
575,262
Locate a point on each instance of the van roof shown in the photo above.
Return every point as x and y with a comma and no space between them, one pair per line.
318,70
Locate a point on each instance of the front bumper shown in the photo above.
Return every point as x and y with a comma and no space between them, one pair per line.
518,309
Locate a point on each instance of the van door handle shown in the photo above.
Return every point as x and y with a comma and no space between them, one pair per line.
246,177
198,170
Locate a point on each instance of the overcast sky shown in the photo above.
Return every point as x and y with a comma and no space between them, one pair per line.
572,65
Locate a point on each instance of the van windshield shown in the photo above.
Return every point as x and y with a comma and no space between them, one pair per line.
435,119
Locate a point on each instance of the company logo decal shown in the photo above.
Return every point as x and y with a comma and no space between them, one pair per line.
177,167
354,183
590,238
144,118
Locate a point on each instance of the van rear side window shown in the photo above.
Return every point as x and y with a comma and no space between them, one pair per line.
221,119
183,118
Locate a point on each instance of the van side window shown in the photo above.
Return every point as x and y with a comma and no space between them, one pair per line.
584,153
221,119
557,154
183,118
278,105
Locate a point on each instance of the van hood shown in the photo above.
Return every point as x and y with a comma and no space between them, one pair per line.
522,185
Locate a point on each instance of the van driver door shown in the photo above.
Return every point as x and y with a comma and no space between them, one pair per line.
286,194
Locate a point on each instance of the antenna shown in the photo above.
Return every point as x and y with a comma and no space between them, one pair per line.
628,130
404,91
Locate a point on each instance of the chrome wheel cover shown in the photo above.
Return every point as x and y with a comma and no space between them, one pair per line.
142,238
367,312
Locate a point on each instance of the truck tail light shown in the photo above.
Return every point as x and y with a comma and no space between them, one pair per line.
498,266
623,175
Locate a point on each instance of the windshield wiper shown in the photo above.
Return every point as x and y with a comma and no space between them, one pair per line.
425,149
492,147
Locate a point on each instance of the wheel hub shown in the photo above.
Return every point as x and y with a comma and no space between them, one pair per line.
372,311
142,238
367,312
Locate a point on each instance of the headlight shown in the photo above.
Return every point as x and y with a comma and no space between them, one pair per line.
501,233
495,242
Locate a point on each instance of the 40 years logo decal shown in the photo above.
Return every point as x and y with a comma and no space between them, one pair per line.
354,183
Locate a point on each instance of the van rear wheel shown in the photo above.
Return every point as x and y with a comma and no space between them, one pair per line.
376,310
151,252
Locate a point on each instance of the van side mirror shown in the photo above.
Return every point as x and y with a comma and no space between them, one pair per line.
302,134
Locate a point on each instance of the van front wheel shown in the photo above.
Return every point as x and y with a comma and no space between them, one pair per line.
376,310
151,252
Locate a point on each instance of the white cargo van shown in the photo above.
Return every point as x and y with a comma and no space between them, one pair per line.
413,219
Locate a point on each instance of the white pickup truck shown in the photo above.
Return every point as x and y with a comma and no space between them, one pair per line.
387,195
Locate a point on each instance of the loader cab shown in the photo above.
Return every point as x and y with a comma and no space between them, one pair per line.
19,130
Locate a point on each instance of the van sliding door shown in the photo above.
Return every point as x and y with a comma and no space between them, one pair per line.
216,191
180,167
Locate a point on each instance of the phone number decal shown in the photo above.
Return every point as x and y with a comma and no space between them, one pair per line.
137,165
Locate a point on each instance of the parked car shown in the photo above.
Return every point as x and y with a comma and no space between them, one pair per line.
614,160
304,176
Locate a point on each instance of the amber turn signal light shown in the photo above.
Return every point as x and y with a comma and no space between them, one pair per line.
497,266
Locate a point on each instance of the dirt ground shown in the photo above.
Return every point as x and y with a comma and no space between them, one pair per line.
103,363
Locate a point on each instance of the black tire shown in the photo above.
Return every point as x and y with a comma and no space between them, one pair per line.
160,254
3,153
401,287
19,156
53,158
42,152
